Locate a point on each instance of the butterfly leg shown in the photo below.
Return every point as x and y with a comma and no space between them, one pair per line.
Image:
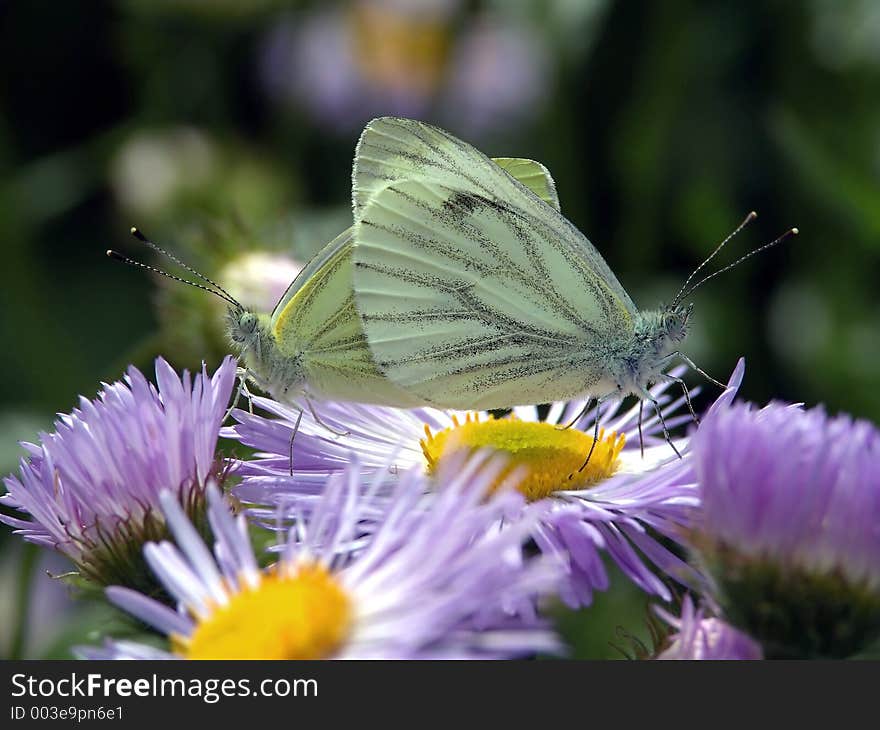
235,400
292,437
595,440
690,363
241,374
687,395
321,423
641,438
250,398
578,417
654,402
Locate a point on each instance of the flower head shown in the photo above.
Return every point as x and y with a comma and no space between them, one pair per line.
700,637
623,503
429,60
90,490
789,529
443,582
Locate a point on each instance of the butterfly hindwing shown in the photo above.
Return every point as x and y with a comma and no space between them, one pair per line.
533,175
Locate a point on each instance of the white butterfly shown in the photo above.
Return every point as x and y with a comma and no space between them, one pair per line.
312,345
475,293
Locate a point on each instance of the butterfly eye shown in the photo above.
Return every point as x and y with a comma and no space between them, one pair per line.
248,322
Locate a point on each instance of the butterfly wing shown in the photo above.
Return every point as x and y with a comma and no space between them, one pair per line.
316,321
533,175
342,241
473,292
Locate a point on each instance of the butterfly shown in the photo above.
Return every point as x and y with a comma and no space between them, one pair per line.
312,346
475,292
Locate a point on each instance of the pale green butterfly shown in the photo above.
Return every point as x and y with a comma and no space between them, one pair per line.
474,293
312,346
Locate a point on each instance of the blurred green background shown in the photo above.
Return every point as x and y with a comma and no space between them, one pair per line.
226,129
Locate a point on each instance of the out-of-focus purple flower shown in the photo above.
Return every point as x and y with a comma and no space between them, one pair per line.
90,490
377,57
621,504
701,637
790,526
442,582
498,77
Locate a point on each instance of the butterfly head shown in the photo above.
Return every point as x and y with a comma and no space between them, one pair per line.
656,335
242,327
248,332
656,331
674,322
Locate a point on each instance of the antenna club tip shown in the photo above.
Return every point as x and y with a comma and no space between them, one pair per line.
133,230
752,215
794,231
136,232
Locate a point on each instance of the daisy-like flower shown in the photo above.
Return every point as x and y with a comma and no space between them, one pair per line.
703,637
789,528
426,583
90,490
621,502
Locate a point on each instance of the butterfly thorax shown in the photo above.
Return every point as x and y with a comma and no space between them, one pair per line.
272,370
642,358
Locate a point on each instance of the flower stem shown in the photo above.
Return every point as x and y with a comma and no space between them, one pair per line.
24,593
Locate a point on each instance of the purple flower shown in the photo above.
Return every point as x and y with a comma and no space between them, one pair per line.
443,582
90,489
426,60
621,504
701,637
790,526
498,77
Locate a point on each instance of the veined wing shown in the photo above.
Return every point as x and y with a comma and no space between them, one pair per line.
530,173
342,241
392,150
533,175
317,322
471,300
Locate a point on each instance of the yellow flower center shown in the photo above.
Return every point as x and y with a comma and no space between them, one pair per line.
301,614
549,454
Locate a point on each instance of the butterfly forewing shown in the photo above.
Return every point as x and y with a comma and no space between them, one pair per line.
392,149
473,292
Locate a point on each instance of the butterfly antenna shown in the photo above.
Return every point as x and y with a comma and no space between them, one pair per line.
116,256
790,232
146,241
681,292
